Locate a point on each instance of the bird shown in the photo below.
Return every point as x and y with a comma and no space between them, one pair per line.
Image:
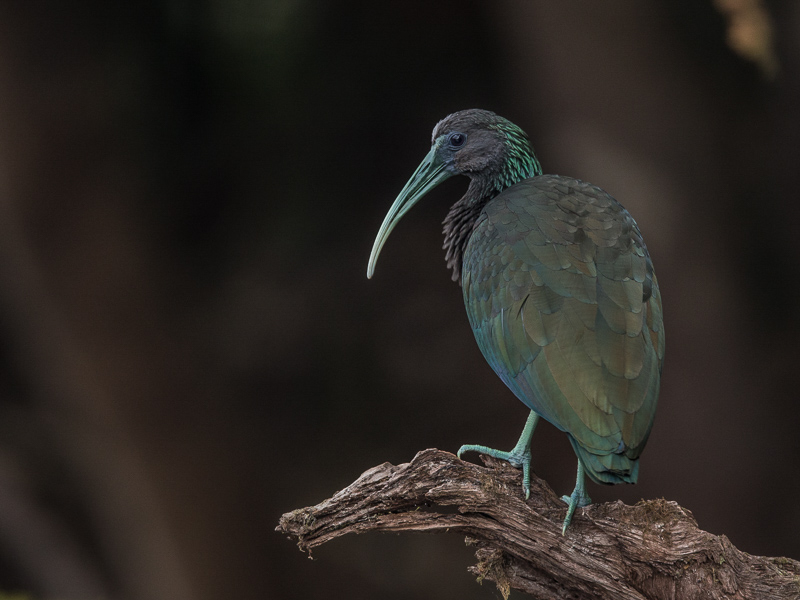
560,294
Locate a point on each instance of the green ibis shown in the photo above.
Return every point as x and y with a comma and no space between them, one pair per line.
559,290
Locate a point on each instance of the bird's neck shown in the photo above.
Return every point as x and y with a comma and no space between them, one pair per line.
520,163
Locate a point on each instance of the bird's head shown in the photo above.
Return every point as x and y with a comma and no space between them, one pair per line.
487,148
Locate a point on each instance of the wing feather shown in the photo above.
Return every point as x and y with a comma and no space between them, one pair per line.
561,296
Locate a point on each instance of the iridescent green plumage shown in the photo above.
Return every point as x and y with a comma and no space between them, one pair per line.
559,290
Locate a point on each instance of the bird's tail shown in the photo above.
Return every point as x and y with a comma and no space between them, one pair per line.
607,468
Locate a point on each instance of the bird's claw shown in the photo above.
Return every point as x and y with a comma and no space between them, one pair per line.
515,458
578,499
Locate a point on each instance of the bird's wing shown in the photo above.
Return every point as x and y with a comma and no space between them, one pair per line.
562,299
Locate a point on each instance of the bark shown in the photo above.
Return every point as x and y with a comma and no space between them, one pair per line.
653,550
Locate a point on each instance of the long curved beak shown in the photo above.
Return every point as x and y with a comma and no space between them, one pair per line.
430,173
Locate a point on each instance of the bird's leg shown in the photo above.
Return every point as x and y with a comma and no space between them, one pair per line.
579,498
520,456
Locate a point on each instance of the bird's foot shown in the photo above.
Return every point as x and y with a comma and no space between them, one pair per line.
516,458
578,499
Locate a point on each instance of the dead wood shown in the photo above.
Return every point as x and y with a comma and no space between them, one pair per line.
653,550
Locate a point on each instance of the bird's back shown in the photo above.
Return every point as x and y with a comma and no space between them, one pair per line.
564,304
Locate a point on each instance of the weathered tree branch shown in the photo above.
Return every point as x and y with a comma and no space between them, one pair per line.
653,550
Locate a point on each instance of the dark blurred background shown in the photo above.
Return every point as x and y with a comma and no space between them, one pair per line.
189,192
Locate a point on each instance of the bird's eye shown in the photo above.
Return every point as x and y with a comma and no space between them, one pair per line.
456,140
